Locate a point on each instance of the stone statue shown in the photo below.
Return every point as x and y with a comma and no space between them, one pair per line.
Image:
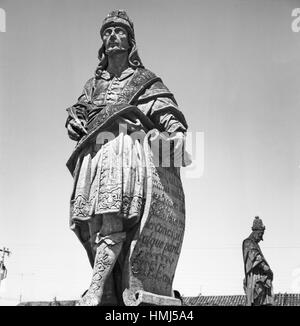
127,205
258,274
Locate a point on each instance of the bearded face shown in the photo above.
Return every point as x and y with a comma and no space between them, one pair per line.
115,40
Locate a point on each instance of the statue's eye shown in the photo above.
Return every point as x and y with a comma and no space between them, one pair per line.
120,31
107,32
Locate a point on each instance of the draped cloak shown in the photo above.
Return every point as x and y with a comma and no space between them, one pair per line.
119,175
258,282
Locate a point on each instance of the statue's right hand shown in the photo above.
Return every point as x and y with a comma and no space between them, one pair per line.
74,130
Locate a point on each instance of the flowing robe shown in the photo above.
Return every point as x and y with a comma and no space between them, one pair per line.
258,279
119,176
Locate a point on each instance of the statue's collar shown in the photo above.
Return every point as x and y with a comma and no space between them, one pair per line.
125,74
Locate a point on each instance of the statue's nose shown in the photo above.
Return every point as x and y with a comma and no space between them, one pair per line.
113,35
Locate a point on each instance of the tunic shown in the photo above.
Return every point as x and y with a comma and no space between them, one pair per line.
110,177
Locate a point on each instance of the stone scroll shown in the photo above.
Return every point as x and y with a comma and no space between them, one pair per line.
155,251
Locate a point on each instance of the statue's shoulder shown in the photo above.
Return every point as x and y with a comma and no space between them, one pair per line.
157,81
145,72
154,87
89,84
249,244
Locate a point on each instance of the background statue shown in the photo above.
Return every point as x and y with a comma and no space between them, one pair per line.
127,205
258,274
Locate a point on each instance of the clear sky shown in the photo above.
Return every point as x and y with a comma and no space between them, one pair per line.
234,67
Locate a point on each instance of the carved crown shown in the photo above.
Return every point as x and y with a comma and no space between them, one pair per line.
119,17
258,224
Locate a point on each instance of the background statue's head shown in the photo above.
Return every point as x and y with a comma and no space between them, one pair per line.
118,18
258,229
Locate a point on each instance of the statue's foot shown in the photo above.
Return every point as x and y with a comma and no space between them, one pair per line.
88,300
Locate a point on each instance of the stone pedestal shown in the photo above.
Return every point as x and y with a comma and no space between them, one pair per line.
143,298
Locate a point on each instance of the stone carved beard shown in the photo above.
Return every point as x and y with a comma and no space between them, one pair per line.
134,59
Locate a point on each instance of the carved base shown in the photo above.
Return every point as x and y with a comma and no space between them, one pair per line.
143,298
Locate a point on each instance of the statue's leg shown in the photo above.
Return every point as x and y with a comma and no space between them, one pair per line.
94,227
108,244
